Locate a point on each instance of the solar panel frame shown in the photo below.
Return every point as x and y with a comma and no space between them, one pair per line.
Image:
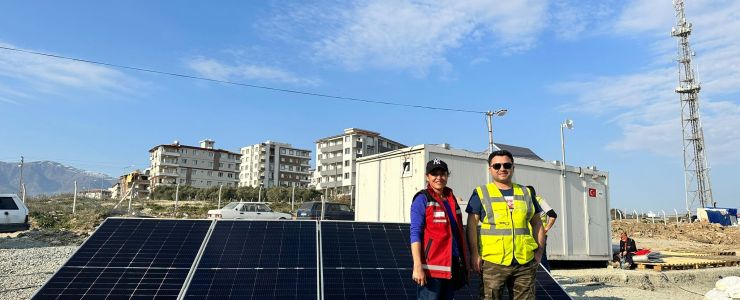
214,270
65,268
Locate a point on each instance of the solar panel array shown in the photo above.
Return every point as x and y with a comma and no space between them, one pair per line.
137,257
258,260
203,259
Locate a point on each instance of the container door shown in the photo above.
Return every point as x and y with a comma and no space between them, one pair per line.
598,220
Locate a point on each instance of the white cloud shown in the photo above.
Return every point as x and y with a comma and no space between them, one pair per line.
28,75
572,19
212,68
644,105
417,35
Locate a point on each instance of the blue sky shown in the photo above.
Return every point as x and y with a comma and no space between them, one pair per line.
607,65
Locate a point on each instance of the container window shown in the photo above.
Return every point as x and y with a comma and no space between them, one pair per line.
407,168
7,203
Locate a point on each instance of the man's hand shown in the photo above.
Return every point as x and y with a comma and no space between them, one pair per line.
476,262
538,255
419,277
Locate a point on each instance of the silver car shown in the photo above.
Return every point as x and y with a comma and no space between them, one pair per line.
247,211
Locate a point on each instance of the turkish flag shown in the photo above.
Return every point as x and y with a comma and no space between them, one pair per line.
592,192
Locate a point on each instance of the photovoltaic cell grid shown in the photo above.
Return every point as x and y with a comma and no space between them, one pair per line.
366,261
258,260
373,261
128,258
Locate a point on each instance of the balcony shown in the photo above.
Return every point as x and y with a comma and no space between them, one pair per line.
167,162
332,160
338,147
294,171
331,172
287,153
170,152
325,185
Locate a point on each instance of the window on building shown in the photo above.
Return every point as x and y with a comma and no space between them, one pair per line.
406,168
210,154
318,168
346,150
195,162
346,163
346,175
195,152
220,174
208,182
184,160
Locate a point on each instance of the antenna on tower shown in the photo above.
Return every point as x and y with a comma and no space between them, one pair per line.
696,166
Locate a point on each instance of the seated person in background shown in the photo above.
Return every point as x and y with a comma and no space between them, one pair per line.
627,249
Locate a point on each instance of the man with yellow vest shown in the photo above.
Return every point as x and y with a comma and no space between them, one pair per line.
506,247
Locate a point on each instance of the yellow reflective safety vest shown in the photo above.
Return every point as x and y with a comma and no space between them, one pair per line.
505,233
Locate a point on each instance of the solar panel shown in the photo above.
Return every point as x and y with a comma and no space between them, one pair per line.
126,257
258,260
373,261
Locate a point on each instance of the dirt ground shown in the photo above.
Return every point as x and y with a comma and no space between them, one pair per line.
683,237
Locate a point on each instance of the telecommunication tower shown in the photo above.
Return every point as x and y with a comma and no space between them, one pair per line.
696,166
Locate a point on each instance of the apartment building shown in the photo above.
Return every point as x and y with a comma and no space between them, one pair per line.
135,185
336,155
272,164
199,167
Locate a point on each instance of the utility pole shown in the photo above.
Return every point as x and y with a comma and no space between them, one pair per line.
292,200
219,195
20,178
177,197
696,166
74,199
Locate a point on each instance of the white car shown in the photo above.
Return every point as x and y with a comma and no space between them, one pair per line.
13,213
247,211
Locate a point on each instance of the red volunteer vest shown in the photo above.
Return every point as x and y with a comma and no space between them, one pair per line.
437,252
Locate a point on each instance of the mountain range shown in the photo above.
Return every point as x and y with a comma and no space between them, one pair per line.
48,177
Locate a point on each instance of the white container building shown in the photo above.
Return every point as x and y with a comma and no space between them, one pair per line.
387,182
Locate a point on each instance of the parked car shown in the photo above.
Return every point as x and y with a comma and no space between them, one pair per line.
247,210
334,211
13,213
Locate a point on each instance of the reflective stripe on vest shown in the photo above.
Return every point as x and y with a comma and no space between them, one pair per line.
505,233
436,268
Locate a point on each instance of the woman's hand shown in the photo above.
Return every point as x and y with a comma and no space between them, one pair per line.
419,276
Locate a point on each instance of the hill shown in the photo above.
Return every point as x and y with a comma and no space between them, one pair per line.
48,177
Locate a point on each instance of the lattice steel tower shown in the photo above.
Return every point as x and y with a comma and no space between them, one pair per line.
696,166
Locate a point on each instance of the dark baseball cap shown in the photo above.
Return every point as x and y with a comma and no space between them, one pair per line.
436,164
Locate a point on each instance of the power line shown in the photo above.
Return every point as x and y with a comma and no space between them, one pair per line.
343,98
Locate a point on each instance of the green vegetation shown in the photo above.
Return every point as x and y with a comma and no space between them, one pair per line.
55,212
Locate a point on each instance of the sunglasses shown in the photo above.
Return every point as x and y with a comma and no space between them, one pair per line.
507,166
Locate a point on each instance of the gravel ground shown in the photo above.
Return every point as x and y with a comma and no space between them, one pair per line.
24,270
604,283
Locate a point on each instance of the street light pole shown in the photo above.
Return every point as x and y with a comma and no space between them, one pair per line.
563,202
489,115
20,178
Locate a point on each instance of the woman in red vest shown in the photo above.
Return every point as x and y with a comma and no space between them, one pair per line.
437,239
